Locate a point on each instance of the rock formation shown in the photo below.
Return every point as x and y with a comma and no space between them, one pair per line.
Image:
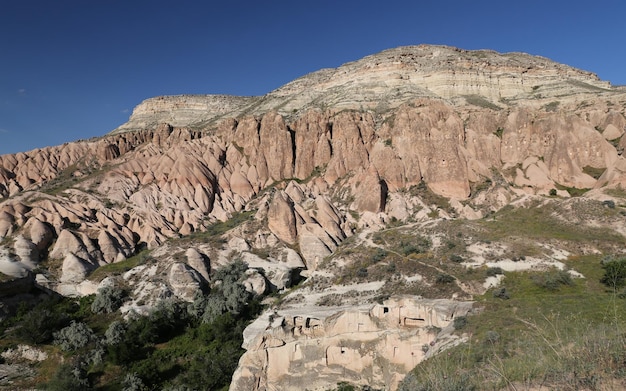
373,346
281,181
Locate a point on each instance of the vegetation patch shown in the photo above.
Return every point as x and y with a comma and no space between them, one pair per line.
113,269
177,346
536,222
568,338
593,171
479,101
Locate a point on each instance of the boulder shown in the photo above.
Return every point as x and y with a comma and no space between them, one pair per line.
184,281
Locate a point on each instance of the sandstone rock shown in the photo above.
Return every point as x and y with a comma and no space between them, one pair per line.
374,347
278,274
184,281
370,192
24,352
612,132
76,244
41,234
27,252
281,218
255,282
292,259
74,269
313,249
199,262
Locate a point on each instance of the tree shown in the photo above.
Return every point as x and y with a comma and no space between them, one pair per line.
69,377
73,337
115,333
614,272
109,299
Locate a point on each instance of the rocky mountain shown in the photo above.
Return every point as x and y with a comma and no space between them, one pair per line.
349,179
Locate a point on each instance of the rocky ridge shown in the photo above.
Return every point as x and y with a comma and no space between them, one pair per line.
411,135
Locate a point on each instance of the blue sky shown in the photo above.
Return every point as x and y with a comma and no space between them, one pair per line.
74,69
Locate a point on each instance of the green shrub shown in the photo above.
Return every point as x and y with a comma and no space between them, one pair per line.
614,272
115,333
456,258
501,293
69,377
132,382
73,337
492,337
552,281
609,204
459,322
493,271
38,325
108,299
444,278
379,254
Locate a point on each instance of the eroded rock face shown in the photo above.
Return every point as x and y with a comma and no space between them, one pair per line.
315,160
376,346
281,219
184,281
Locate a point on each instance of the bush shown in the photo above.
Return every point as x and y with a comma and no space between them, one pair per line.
132,382
553,281
38,325
115,333
501,293
109,299
379,255
456,258
69,377
609,203
494,271
614,272
459,322
444,279
230,295
492,337
73,337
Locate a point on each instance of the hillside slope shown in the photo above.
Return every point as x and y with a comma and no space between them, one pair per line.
376,201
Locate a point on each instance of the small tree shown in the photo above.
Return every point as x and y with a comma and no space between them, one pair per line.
115,333
73,337
69,377
132,382
109,299
614,272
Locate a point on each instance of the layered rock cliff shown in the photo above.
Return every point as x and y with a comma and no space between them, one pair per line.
407,136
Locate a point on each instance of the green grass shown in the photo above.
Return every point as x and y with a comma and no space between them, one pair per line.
573,191
570,338
538,223
120,267
479,101
219,228
593,171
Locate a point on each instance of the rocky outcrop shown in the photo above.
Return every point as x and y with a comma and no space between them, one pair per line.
281,219
361,133
373,346
409,134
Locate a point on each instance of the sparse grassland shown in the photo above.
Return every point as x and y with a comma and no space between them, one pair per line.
569,338
117,268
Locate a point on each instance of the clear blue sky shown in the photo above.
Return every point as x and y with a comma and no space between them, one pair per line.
74,69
